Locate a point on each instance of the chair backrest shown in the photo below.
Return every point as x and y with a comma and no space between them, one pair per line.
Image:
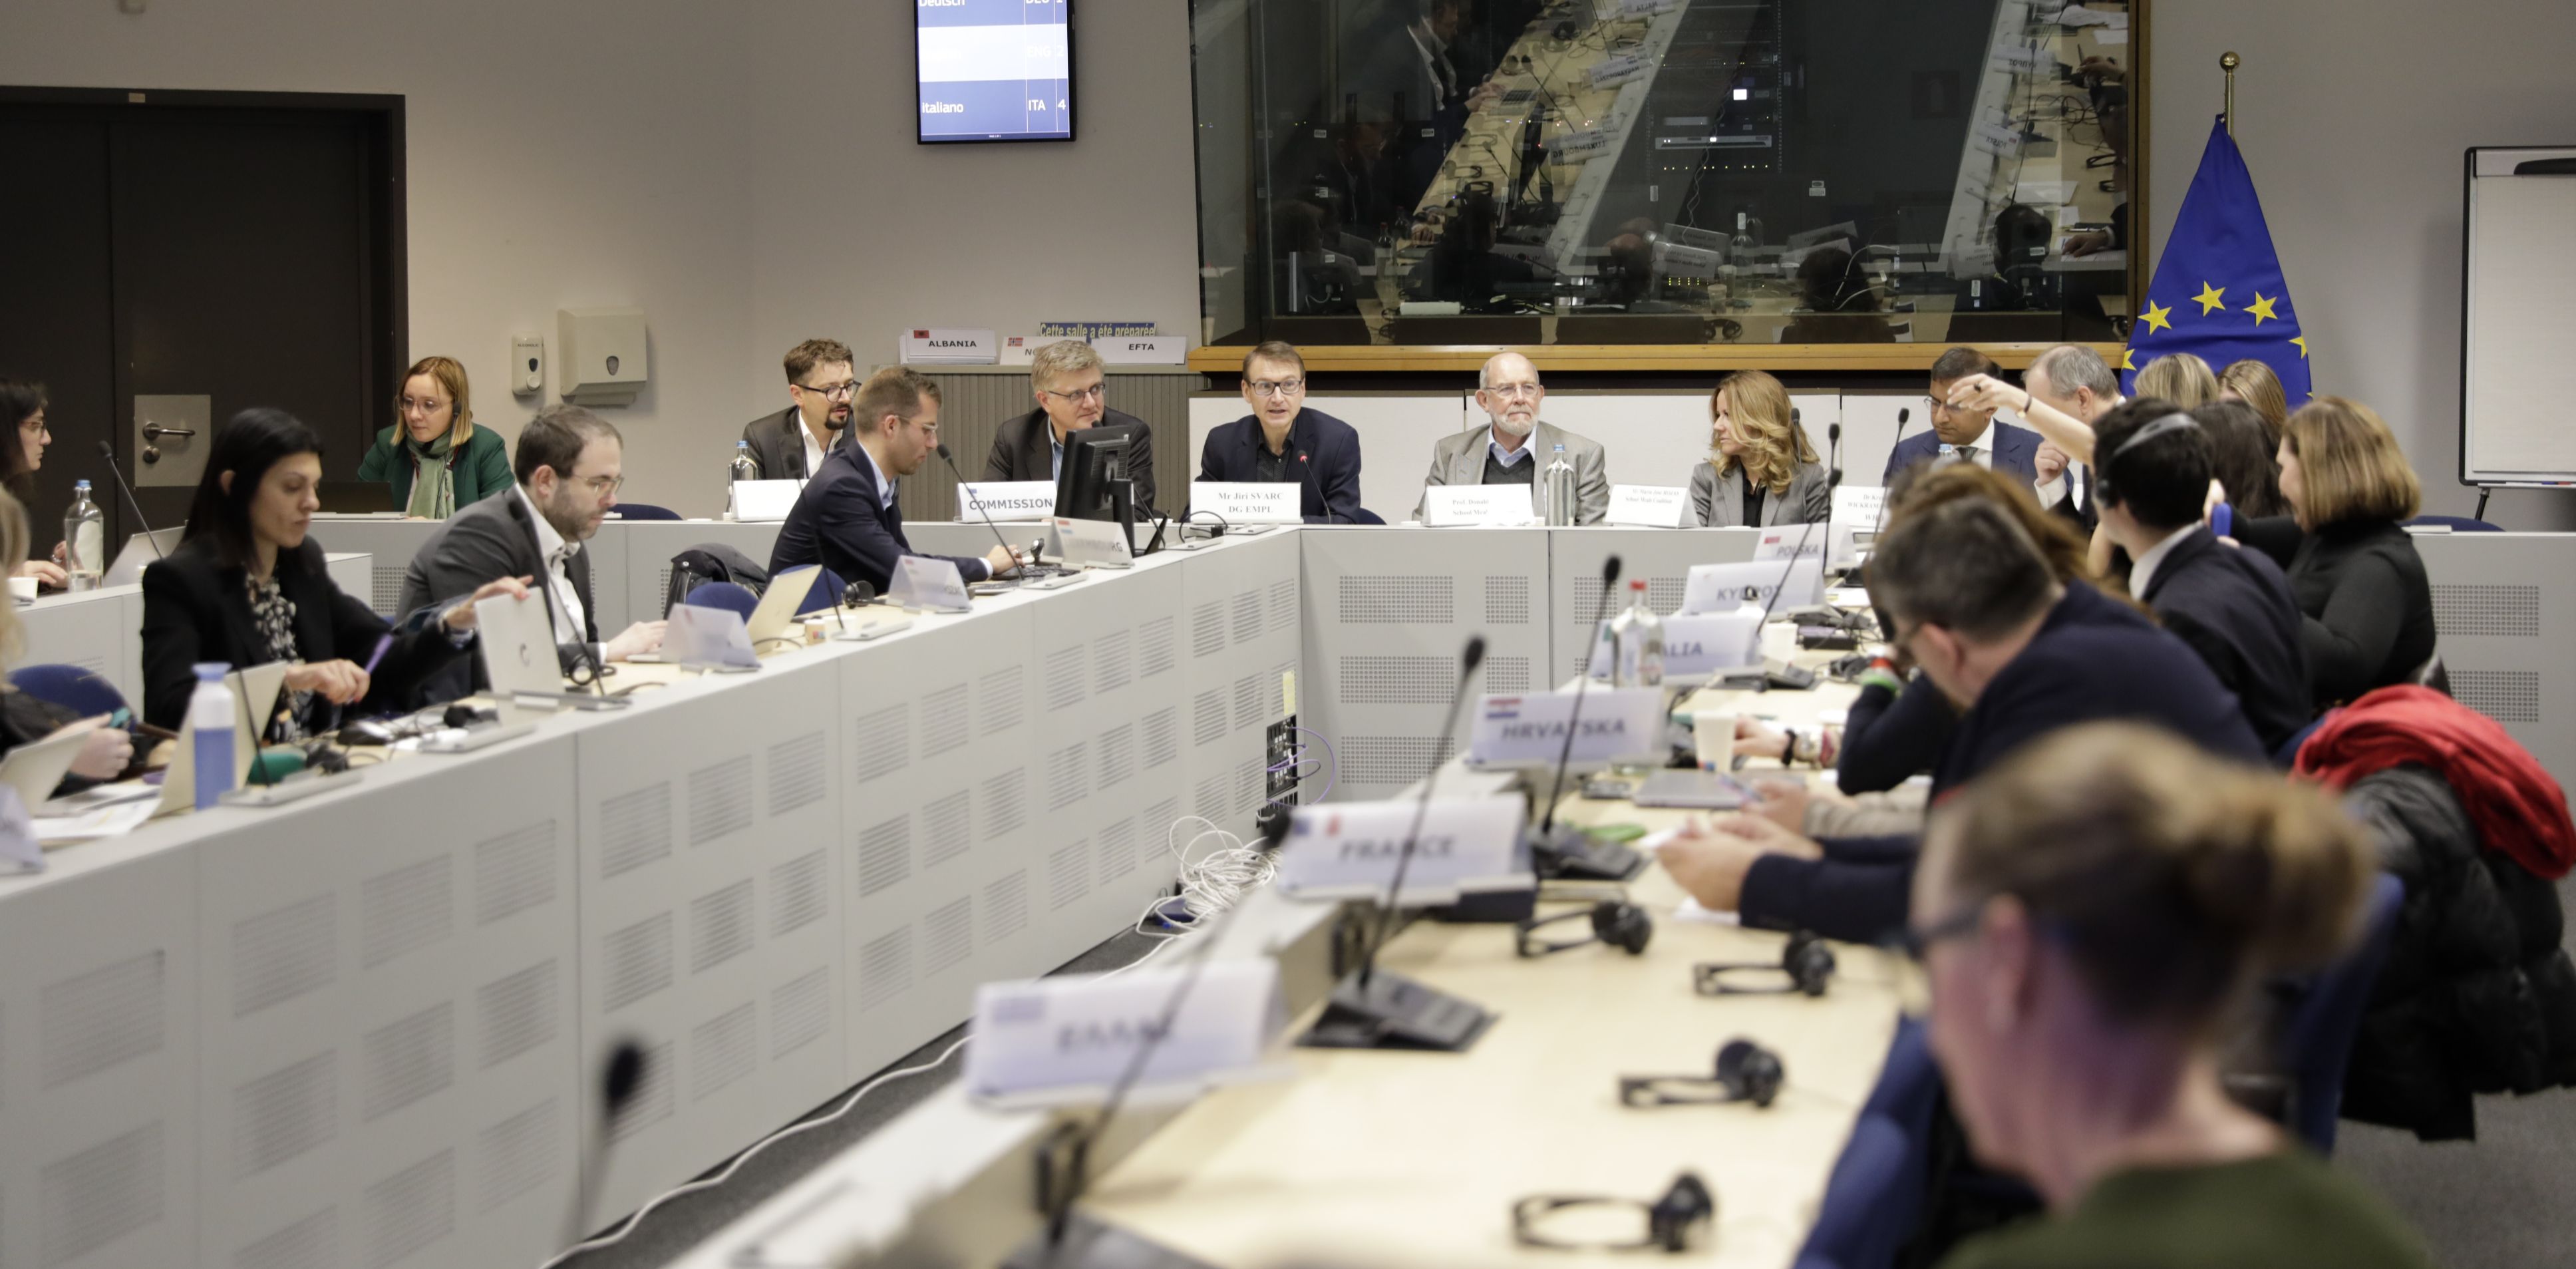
79,690
1366,516
644,511
2317,1039
2457,524
1874,1199
826,592
725,595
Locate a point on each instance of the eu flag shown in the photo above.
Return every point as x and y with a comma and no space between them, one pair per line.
2219,293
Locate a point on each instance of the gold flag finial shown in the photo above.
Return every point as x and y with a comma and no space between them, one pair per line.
2228,62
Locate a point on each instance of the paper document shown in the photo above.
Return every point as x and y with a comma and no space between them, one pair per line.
114,819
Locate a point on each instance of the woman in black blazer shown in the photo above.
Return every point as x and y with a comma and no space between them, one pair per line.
247,586
2367,609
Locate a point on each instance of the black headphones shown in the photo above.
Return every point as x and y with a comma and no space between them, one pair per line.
2104,487
1746,1072
1675,1222
1806,960
858,594
1615,922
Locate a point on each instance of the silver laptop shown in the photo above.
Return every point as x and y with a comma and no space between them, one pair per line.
140,551
779,605
517,637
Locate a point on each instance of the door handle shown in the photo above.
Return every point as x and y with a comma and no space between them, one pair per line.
154,431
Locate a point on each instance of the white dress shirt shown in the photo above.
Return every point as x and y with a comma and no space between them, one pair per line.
2144,570
813,448
564,611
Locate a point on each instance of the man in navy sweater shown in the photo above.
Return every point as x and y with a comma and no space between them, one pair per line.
2021,655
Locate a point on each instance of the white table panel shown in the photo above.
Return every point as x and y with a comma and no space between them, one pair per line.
1238,634
100,631
1661,556
2504,603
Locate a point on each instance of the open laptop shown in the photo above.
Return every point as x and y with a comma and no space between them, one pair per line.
517,638
779,605
139,553
255,690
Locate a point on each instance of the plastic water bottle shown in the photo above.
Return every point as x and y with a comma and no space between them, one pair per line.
1556,490
1637,642
210,709
84,539
743,468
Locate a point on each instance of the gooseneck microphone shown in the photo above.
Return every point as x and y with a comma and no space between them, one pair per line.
1902,414
107,450
1574,716
1468,660
619,1079
980,508
1306,475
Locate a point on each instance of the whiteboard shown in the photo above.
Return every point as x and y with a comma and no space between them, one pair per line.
2518,320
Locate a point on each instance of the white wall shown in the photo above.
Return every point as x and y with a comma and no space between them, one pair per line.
567,154
2352,115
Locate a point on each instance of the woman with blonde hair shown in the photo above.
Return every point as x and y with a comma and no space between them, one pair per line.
436,457
2361,587
2181,378
2091,917
2253,383
1761,470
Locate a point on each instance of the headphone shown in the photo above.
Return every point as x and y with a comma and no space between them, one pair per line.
1805,959
1746,1072
858,594
2107,489
1615,922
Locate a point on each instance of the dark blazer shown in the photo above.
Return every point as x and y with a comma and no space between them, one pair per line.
494,538
841,523
1323,452
2366,604
1023,450
198,609
1860,889
2234,608
778,445
480,466
2016,451
1891,737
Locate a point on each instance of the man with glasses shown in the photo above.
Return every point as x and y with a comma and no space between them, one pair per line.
569,467
2020,656
1517,447
846,519
1072,395
1968,435
1283,442
791,444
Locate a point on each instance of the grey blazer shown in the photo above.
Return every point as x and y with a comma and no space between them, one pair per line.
1721,502
1459,459
778,445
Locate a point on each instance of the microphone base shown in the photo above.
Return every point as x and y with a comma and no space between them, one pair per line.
1395,1012
1567,853
1491,907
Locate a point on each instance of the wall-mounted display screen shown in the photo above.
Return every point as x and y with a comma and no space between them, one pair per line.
994,70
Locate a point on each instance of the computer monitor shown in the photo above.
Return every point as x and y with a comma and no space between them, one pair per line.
355,497
1096,464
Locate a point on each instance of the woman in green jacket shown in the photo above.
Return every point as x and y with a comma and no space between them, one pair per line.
436,456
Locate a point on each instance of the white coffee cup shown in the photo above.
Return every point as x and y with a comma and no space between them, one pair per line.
22,588
1713,736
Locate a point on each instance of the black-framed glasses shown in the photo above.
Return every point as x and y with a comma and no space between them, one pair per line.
841,391
1277,387
1903,953
1677,1221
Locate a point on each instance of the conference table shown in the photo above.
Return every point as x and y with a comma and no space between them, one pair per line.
365,1027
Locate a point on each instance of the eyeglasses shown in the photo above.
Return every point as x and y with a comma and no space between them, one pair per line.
429,406
1513,391
1940,406
1096,392
604,484
1904,951
1277,387
839,392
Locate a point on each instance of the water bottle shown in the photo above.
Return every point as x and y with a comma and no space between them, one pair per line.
84,540
211,708
1556,490
1637,642
743,468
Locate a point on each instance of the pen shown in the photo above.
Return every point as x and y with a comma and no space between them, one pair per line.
383,642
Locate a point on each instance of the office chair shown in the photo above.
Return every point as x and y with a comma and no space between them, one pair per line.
826,592
2317,1040
79,690
2457,524
643,511
1873,1200
727,595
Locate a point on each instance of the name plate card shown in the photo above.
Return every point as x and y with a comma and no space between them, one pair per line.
925,583
765,499
1348,850
702,638
1722,587
1649,506
1249,502
1857,513
1487,506
1696,644
1005,500
1143,350
946,346
1092,543
1067,1040
1617,724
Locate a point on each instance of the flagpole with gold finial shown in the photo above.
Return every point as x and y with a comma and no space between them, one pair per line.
2228,62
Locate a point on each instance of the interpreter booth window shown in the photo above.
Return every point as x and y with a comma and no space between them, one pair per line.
1664,171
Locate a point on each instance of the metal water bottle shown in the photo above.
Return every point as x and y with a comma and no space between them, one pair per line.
84,540
1637,642
743,468
1556,490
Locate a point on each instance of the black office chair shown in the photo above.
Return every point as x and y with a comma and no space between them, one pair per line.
643,511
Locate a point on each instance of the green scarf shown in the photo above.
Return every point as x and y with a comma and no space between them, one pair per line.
433,483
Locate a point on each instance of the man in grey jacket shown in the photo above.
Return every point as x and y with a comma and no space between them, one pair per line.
1517,447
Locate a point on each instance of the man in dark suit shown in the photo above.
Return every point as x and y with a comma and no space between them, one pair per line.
2233,607
569,466
846,519
1282,441
2076,382
2021,656
791,444
1072,394
1968,435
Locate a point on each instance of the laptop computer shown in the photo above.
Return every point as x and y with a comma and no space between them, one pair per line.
779,605
139,553
356,498
517,638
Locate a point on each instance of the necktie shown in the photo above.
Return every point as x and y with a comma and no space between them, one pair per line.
1966,453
